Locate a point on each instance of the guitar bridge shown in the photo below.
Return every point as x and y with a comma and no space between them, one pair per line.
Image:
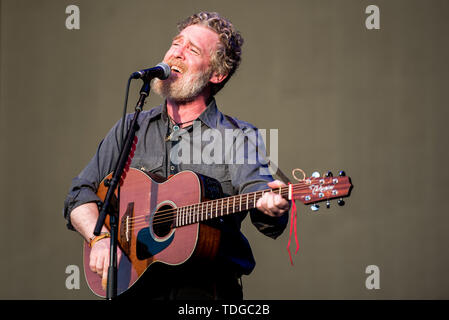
127,229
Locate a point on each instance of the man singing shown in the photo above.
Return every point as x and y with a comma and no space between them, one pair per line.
202,58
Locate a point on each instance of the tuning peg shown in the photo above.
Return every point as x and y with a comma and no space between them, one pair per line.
315,207
329,174
328,204
341,202
342,174
316,174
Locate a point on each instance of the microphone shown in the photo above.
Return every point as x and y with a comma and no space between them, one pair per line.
161,71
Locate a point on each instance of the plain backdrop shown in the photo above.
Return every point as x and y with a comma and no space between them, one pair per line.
370,102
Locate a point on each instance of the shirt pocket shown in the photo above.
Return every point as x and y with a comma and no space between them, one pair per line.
147,164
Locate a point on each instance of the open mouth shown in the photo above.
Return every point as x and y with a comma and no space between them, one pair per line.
176,69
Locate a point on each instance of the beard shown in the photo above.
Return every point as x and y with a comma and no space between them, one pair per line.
183,89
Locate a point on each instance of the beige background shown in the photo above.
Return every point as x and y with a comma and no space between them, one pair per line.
370,102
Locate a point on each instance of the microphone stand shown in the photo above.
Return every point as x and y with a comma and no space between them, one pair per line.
111,292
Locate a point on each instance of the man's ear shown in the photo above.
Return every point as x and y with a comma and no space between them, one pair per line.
217,78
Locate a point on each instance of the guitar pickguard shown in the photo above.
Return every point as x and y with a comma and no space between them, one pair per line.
147,246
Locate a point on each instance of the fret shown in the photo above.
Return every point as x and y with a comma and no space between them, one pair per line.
247,202
240,203
222,206
189,214
216,208
182,216
181,222
192,213
210,213
227,206
255,193
280,190
210,209
202,211
233,204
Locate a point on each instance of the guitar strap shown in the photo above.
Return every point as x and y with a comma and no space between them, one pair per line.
275,168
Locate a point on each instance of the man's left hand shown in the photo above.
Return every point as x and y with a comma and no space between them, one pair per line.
271,203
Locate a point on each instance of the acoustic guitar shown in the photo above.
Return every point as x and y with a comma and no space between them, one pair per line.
161,220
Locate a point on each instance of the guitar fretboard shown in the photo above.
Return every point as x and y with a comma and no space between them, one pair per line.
221,207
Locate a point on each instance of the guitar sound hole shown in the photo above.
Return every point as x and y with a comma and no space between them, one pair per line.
163,221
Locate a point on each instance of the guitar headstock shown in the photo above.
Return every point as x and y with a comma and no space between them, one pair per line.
316,189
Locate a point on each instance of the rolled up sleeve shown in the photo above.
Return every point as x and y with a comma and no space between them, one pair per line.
84,187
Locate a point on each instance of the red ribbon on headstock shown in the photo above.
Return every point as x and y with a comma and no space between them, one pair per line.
293,220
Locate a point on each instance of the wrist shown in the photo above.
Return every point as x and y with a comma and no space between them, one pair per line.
101,236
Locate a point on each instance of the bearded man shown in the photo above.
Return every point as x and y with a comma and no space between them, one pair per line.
202,58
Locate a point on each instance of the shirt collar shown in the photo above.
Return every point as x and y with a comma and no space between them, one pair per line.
209,116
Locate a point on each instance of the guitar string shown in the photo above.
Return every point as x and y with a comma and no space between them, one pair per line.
213,215
204,206
284,192
213,203
189,215
194,216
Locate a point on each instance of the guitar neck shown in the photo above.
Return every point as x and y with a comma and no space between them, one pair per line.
222,207
308,191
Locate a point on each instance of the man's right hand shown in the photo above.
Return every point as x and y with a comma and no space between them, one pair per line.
99,259
84,218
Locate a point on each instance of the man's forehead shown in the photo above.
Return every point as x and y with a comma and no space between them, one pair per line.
198,35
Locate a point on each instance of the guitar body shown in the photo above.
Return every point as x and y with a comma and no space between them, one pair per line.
143,200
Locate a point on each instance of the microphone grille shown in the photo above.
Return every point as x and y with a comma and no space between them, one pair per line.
166,69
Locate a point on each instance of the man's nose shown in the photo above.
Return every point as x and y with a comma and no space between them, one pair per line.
178,52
